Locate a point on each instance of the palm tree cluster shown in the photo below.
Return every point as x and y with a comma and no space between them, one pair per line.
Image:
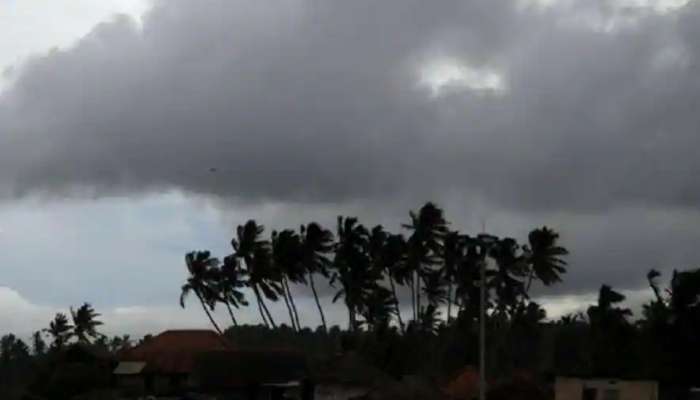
372,270
83,328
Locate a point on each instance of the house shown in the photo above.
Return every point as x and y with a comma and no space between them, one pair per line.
165,363
200,361
570,388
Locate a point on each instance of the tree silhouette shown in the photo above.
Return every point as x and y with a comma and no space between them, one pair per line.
60,331
428,228
85,323
510,269
286,257
231,282
316,245
378,308
256,253
394,263
202,272
352,267
545,257
38,344
611,333
453,253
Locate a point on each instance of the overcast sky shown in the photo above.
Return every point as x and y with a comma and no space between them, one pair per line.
579,115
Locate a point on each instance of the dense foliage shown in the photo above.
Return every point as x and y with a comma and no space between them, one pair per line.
432,274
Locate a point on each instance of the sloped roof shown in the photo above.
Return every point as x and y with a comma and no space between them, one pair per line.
175,351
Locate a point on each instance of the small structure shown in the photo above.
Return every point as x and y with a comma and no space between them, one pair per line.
164,364
569,388
181,362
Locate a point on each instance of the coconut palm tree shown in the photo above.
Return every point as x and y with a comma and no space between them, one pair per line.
85,323
231,279
452,256
605,311
428,228
286,257
545,257
378,307
202,270
510,269
316,246
256,254
393,259
38,344
60,330
352,266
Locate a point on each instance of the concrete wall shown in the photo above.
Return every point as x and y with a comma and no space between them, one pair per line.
572,389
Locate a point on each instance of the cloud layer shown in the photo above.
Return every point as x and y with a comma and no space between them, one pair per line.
580,115
320,101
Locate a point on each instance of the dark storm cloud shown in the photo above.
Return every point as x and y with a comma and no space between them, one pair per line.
305,101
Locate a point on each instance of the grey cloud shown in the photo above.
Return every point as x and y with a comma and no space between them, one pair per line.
304,101
317,101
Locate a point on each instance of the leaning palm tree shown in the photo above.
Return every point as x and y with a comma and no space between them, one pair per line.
256,254
507,278
85,323
352,267
316,245
231,280
286,258
452,256
393,257
201,268
606,313
378,307
60,331
545,257
428,228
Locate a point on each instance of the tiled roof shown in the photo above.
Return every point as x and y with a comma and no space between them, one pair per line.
174,351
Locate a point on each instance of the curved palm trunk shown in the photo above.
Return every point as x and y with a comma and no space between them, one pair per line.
530,278
286,302
449,301
267,311
291,301
206,310
230,312
417,282
396,302
411,285
318,303
262,313
351,318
